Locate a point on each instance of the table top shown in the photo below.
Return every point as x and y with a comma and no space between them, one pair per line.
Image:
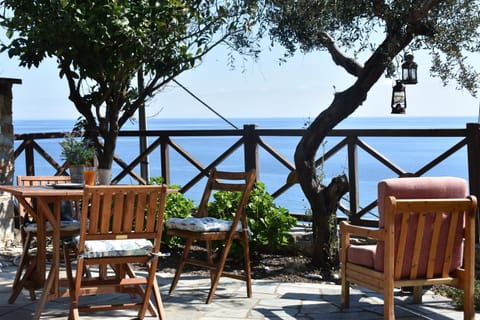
49,191
30,191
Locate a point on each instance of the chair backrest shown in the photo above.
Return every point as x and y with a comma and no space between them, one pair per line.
242,182
41,180
427,238
38,181
118,212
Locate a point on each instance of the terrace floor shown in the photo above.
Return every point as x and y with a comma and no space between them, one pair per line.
271,300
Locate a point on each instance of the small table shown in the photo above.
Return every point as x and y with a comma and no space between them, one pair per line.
44,196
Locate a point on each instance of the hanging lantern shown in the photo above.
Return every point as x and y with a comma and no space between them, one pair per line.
399,98
409,70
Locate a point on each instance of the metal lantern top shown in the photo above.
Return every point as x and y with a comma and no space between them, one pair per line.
409,70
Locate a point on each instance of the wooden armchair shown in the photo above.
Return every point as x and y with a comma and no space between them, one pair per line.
28,229
425,237
120,225
207,229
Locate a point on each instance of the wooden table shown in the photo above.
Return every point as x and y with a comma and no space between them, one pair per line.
45,196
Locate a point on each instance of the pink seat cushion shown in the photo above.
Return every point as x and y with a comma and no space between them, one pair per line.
421,188
363,255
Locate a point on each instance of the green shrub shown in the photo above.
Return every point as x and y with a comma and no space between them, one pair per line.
268,223
457,295
177,205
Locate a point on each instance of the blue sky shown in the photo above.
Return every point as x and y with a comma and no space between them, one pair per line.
302,87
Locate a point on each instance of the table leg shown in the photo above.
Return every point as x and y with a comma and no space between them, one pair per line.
51,285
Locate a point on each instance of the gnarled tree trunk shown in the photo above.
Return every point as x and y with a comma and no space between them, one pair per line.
324,200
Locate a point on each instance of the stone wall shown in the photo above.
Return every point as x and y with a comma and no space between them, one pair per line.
6,159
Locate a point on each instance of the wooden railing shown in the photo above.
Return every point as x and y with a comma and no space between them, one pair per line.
254,140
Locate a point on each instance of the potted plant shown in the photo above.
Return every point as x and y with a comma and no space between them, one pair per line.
78,152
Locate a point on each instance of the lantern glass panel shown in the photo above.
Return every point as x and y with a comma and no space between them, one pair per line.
399,98
409,70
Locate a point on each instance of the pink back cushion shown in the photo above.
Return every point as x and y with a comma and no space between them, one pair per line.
421,188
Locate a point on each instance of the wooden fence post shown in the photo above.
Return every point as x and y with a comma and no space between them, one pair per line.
251,147
29,158
473,153
7,159
165,159
353,179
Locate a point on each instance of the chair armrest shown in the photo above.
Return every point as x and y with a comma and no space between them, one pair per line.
345,228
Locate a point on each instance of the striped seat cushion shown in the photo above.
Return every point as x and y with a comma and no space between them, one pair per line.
207,224
115,248
73,225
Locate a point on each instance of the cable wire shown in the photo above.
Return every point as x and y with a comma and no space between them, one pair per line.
206,105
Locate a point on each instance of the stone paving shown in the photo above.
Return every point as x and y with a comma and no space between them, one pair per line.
271,300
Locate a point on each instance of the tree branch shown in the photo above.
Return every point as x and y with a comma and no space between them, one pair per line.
337,188
379,9
340,59
416,19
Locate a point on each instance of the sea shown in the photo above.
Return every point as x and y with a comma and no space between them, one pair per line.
410,155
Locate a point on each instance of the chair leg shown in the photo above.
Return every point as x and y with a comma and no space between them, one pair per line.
73,314
468,300
21,283
219,270
146,303
186,251
26,263
388,301
74,296
68,268
345,298
210,259
246,261
158,300
149,287
102,271
417,294
156,292
43,300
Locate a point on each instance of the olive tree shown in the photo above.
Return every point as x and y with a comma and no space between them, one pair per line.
102,46
381,31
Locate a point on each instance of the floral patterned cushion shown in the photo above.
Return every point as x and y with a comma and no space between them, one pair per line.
64,226
115,248
201,224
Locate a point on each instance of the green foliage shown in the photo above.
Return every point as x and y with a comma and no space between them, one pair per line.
448,30
77,150
177,205
102,46
268,223
457,295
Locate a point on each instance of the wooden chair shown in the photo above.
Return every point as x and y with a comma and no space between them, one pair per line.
426,236
28,230
120,225
204,228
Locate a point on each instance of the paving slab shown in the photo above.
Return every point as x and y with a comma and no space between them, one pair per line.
270,300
